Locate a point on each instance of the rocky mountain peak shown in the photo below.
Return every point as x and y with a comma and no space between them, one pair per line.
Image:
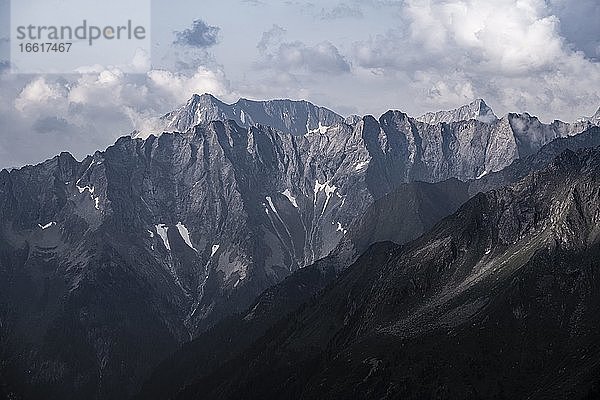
205,98
393,116
477,109
296,117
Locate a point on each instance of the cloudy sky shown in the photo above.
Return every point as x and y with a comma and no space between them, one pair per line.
362,57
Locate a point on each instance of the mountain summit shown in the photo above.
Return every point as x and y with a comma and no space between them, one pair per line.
290,116
477,109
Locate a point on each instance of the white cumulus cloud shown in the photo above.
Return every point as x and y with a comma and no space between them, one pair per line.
510,52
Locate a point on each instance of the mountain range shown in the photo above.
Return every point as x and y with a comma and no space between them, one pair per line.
156,241
398,217
498,300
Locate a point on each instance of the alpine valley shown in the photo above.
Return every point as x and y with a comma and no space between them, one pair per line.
278,250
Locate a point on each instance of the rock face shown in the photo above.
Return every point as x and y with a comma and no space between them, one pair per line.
530,134
464,143
294,117
399,216
496,301
139,248
477,110
524,166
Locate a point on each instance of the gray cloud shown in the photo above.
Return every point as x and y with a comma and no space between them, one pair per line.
383,51
40,116
341,11
50,124
296,56
271,37
200,35
192,49
512,53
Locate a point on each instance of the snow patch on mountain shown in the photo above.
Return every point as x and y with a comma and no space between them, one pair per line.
361,165
151,234
270,201
84,188
46,226
326,187
287,193
185,234
162,229
329,191
481,175
322,129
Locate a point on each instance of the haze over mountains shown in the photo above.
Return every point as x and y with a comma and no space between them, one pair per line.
146,245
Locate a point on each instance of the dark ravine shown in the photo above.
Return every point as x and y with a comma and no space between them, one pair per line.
139,248
499,300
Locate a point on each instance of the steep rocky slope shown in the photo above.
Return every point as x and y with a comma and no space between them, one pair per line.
400,216
499,300
465,143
